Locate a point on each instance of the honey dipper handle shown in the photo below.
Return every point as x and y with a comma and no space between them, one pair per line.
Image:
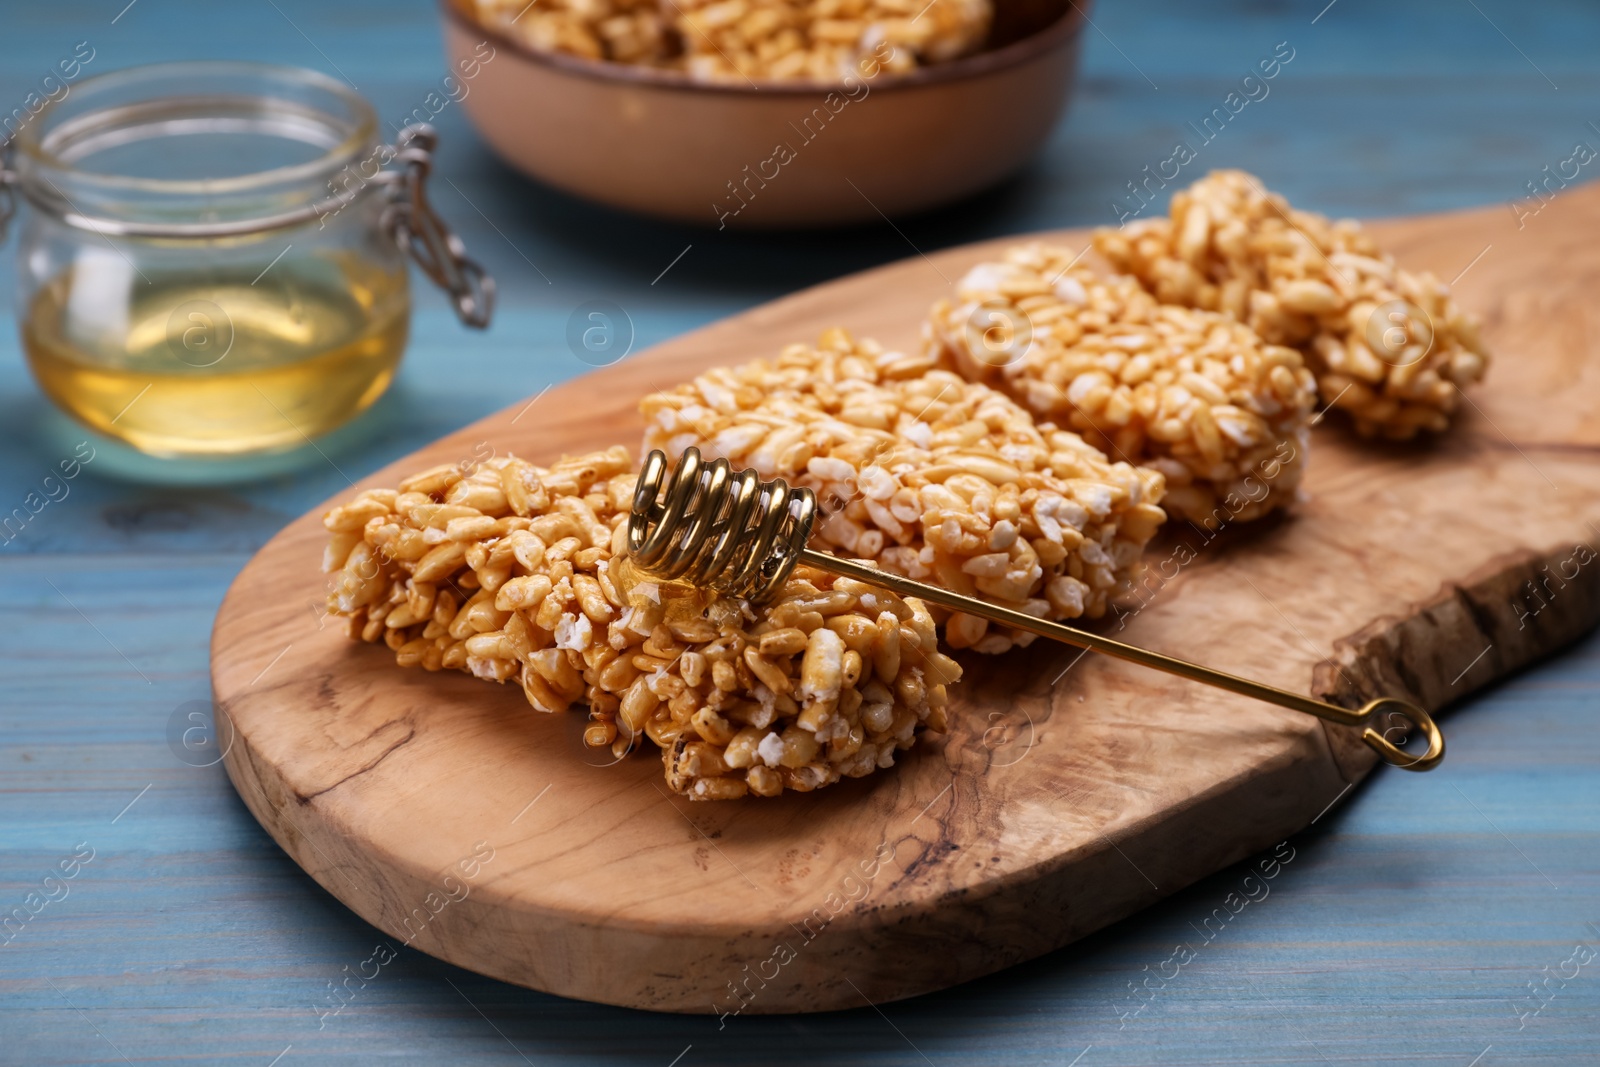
1392,754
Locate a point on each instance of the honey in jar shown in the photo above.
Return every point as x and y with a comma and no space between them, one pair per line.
216,263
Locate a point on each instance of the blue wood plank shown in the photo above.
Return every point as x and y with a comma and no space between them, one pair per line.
1408,926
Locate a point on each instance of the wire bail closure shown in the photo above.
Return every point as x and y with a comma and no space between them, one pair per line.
427,239
408,218
8,192
742,536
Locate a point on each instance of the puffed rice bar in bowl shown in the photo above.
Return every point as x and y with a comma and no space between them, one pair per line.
513,572
823,40
740,41
1191,393
1388,346
618,31
932,476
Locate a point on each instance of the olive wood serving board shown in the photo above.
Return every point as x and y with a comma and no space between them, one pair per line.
1069,793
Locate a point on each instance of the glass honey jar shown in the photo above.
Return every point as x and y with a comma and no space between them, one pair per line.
215,263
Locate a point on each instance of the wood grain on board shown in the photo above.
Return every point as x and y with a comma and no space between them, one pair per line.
1069,793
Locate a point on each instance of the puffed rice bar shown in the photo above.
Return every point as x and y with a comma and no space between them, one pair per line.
499,570
827,681
1298,279
511,572
622,31
757,40
934,477
824,40
1191,393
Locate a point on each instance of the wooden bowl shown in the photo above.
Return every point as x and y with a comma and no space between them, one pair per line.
653,142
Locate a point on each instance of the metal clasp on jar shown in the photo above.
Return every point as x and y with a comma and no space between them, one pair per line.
409,219
425,237
8,195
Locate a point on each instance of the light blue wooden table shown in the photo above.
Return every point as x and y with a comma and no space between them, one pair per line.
1421,921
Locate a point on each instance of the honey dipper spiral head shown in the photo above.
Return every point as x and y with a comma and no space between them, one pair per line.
733,533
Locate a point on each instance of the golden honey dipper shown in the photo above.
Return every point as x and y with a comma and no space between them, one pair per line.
742,536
